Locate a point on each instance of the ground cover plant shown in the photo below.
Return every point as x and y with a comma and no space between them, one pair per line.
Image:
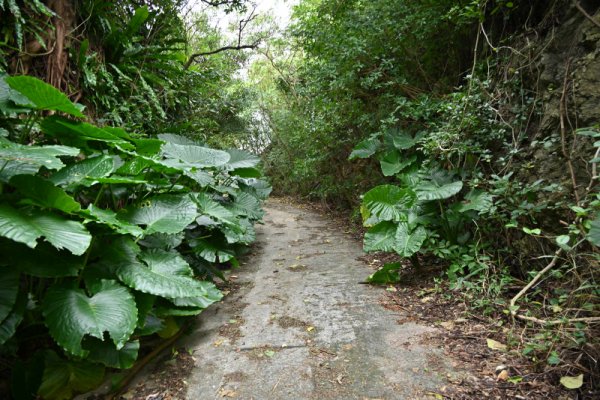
108,237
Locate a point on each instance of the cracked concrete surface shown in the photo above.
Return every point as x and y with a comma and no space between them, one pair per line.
302,327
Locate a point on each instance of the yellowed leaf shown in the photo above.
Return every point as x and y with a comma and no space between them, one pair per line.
447,324
503,376
495,345
572,382
228,393
310,329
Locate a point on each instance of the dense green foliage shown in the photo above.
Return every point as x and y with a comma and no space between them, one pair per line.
126,64
407,110
116,215
127,222
427,120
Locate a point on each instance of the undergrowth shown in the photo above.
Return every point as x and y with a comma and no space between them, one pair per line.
109,238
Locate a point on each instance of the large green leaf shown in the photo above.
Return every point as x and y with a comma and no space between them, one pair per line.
241,159
389,202
246,173
403,141
476,200
27,228
392,163
9,288
211,296
430,190
594,234
365,149
64,378
178,139
147,147
162,241
212,249
10,97
171,311
164,274
242,233
201,177
70,315
246,205
165,213
380,237
43,262
109,218
78,133
195,156
85,172
137,165
259,188
208,206
16,159
43,95
386,274
121,180
44,194
104,352
408,242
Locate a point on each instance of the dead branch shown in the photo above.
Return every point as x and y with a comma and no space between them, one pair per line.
558,321
536,278
226,48
563,131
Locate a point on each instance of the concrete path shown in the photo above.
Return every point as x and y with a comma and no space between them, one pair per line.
302,327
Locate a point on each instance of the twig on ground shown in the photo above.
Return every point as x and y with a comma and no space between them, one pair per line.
557,321
513,311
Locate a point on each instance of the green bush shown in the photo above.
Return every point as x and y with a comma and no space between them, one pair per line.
107,237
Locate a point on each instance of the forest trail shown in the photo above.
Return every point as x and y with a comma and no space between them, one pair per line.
300,326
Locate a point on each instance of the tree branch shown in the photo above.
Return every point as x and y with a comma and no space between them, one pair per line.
226,48
239,46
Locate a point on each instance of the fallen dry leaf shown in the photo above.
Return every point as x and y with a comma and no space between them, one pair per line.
227,393
447,324
503,375
495,345
572,382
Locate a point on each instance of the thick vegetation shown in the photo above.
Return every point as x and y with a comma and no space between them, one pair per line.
442,123
115,215
462,134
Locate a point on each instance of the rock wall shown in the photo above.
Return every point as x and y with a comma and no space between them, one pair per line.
568,86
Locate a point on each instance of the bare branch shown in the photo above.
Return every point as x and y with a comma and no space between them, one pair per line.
218,3
226,48
239,46
536,278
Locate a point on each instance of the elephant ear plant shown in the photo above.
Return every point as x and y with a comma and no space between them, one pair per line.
106,237
423,212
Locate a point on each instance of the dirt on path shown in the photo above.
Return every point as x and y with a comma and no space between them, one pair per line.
302,326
